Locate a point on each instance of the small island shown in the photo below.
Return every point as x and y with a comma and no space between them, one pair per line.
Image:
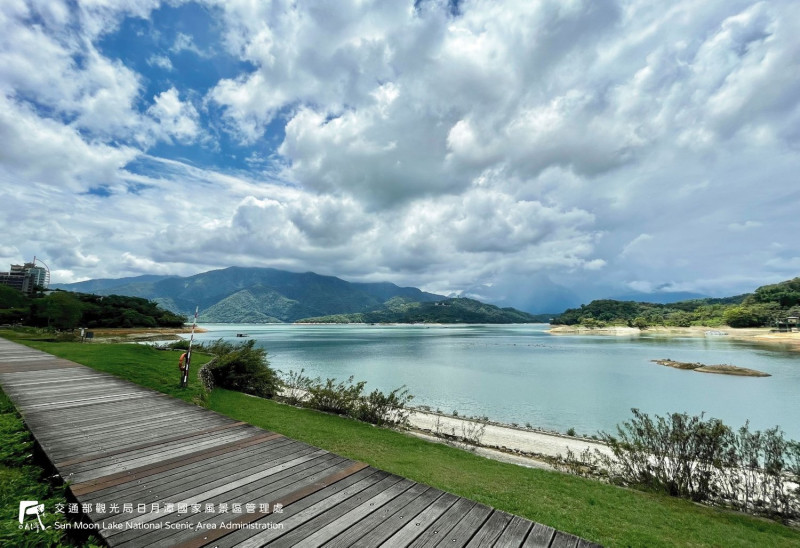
722,369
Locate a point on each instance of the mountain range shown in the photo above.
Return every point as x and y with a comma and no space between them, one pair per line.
268,295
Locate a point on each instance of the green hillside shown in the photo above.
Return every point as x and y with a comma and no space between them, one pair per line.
764,307
403,310
257,295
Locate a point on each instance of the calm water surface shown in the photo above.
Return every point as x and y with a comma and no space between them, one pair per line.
522,374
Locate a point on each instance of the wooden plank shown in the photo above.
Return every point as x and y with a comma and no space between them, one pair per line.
82,473
103,466
414,528
325,478
349,519
53,375
328,513
133,474
514,534
303,510
383,523
491,530
128,433
467,527
286,480
103,423
161,441
62,386
199,491
36,365
31,382
540,536
156,400
82,402
167,482
145,434
286,500
208,493
564,540
53,421
350,536
148,435
440,528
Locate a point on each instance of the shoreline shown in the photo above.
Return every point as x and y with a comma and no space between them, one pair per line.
142,334
518,445
757,335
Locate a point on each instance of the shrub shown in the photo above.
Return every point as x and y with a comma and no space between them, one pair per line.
244,368
341,398
702,460
385,409
347,398
675,454
296,387
182,344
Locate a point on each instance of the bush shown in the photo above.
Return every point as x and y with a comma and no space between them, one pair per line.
342,398
382,409
347,398
702,460
296,387
245,369
675,454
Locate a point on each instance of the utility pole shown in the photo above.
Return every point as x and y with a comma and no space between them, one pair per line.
185,378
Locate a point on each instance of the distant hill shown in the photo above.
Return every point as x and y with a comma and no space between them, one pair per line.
106,284
665,297
268,295
769,305
258,295
458,310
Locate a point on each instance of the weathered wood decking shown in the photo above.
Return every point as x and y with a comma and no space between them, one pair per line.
147,470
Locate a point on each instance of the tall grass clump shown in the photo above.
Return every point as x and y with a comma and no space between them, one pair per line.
702,460
347,398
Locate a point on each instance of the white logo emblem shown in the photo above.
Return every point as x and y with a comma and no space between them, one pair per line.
31,508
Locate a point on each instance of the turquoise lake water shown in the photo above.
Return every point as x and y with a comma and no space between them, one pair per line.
522,374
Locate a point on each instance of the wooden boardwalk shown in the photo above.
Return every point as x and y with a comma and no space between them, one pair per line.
150,470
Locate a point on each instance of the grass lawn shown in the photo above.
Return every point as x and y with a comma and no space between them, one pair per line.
609,515
22,479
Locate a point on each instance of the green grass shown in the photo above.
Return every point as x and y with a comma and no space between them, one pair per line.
22,479
609,515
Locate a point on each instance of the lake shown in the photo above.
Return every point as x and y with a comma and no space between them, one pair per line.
521,374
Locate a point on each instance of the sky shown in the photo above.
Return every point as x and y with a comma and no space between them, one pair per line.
530,153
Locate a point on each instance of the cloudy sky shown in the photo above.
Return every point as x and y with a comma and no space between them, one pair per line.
498,147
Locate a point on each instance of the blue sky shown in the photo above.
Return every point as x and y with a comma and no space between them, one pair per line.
508,150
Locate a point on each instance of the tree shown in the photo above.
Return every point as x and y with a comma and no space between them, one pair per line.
640,322
62,310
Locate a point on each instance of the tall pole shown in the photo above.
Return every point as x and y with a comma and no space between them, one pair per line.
185,378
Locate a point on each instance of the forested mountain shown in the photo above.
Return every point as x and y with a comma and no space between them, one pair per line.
268,295
259,295
458,310
767,305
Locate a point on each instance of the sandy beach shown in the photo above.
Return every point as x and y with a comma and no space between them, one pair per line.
760,335
522,446
138,334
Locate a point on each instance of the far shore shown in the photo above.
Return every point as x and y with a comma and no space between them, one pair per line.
140,334
755,335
